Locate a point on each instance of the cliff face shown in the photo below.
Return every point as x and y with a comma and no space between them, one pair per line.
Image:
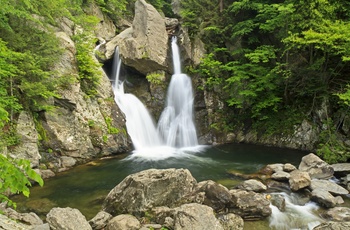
82,127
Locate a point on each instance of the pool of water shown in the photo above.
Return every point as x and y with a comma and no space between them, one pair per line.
84,187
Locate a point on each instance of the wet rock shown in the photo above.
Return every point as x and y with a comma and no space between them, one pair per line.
288,167
67,162
338,214
147,189
122,222
231,221
46,173
299,180
249,205
67,219
278,201
323,198
280,176
329,186
316,167
100,220
252,185
333,226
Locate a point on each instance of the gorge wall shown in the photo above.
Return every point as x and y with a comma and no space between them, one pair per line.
82,128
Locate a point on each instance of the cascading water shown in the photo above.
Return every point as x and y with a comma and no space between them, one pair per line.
175,128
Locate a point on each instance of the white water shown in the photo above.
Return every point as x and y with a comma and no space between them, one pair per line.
175,132
295,216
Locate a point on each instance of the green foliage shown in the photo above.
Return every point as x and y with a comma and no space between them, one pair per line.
331,148
155,78
14,178
111,129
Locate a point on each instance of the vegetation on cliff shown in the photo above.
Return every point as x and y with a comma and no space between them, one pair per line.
278,62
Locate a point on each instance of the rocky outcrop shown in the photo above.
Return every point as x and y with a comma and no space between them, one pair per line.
150,188
144,46
67,218
29,137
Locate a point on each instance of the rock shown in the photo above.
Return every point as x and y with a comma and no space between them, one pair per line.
338,214
316,167
28,146
324,198
272,168
151,227
333,226
147,189
9,224
288,167
195,217
144,46
252,185
280,176
122,222
231,221
46,173
26,218
328,186
278,201
100,220
67,219
41,227
250,205
211,194
299,180
341,168
67,162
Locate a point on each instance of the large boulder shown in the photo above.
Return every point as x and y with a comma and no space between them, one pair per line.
250,205
316,167
147,189
144,46
67,218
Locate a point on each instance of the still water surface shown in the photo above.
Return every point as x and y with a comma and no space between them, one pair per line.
84,187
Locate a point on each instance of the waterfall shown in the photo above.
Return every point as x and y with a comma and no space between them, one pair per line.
175,129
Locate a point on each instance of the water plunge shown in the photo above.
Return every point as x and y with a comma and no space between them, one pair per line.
175,130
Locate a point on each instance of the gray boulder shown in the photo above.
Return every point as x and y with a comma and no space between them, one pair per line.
211,194
231,221
122,222
195,217
67,219
324,198
316,167
144,46
299,180
100,220
328,186
252,185
249,205
147,189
